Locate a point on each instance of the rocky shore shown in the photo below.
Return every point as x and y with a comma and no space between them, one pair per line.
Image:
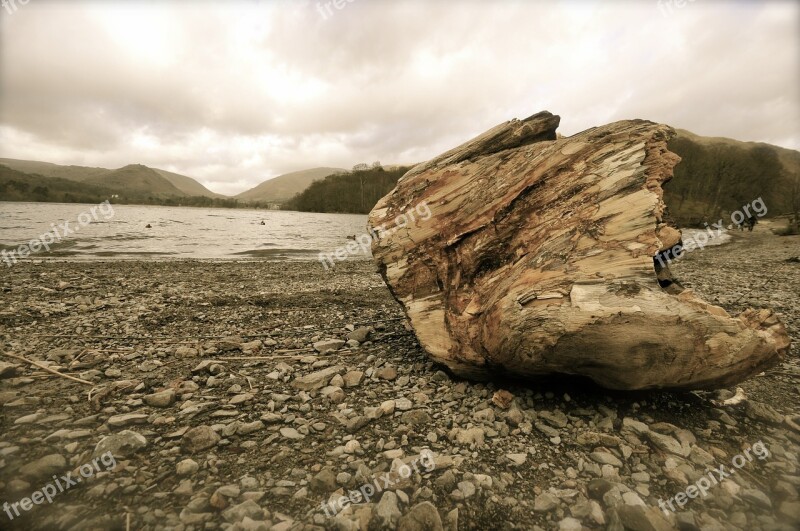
276,395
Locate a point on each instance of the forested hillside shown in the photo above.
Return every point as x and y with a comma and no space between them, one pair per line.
718,176
18,186
354,192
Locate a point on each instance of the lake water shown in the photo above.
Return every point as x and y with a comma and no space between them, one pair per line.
176,232
120,232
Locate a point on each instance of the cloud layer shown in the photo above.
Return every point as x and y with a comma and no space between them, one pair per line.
232,93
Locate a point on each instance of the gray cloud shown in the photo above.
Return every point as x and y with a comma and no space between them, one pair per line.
233,93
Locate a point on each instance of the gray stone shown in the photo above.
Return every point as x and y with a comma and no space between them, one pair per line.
421,517
324,481
517,459
119,421
360,334
545,502
570,524
44,467
417,417
315,380
756,497
763,413
8,370
160,399
668,444
557,419
605,458
328,345
186,467
291,433
386,514
121,444
199,439
640,518
246,509
353,378
386,373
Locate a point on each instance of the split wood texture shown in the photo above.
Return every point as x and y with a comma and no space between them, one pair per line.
538,259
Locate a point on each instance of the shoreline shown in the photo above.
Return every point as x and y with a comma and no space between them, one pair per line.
242,416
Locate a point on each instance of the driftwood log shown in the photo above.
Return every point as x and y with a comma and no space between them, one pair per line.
538,258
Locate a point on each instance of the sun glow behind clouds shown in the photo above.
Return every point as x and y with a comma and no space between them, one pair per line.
143,34
232,92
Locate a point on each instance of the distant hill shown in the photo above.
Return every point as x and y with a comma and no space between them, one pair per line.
284,187
137,179
187,185
133,184
46,169
18,186
717,176
164,183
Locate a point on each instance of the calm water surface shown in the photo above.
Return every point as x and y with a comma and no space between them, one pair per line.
177,232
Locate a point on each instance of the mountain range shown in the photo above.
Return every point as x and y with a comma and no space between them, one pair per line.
715,175
135,183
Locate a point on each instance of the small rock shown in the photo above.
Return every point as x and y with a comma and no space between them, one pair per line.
328,345
186,352
545,502
199,439
315,380
517,459
756,497
43,467
387,373
119,421
291,433
386,514
605,458
160,399
324,481
360,334
570,524
121,444
8,370
187,467
416,417
421,517
502,399
246,509
353,378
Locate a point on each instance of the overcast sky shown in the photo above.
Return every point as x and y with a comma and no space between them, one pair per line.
235,92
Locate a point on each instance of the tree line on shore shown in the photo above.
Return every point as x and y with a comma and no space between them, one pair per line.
354,192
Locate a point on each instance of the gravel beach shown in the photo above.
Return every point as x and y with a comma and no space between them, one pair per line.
247,395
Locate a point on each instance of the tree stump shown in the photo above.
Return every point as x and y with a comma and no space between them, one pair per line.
538,258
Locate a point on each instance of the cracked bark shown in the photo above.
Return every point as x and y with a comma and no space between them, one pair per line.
539,259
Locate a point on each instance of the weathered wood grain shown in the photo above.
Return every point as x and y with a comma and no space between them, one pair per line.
538,259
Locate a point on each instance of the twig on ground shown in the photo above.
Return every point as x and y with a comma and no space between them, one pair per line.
187,338
45,368
245,377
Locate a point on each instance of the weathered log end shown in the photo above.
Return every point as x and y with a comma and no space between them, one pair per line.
541,256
